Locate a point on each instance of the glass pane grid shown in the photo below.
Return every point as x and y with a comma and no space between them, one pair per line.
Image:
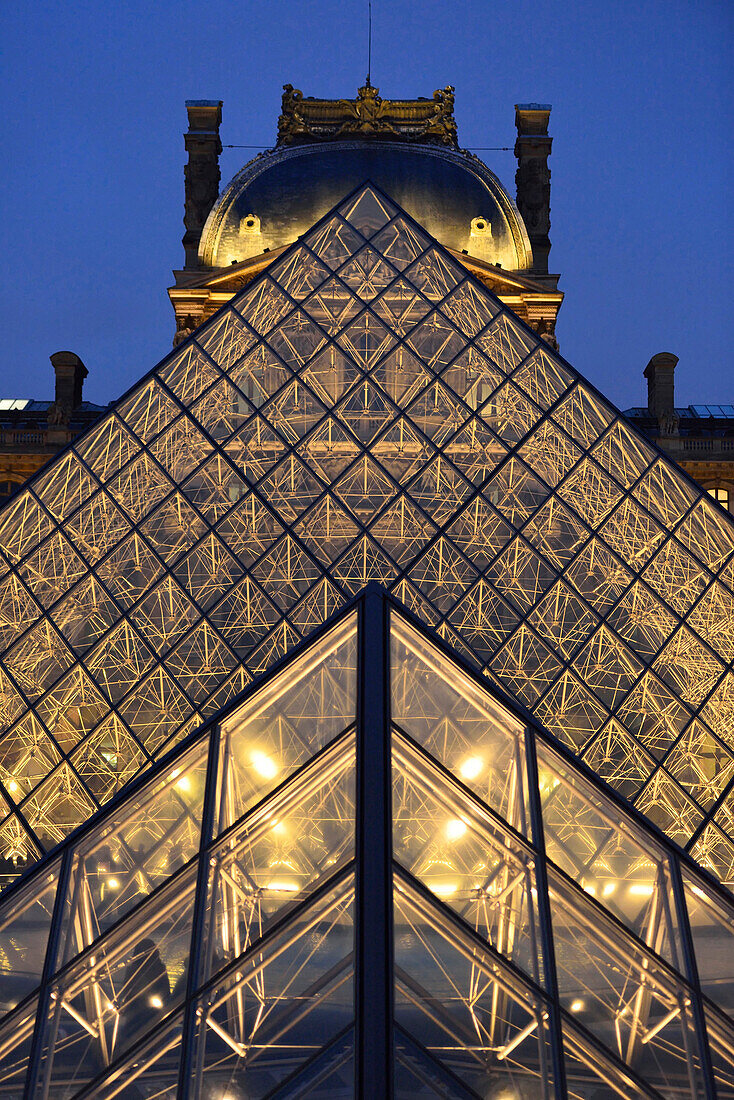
617,498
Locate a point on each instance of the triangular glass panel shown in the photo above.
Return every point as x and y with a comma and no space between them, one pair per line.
367,274
333,241
465,858
489,1030
227,340
368,212
400,242
289,996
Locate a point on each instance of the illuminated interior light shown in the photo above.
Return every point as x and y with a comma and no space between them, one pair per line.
283,887
12,786
455,829
175,773
443,889
184,783
641,890
113,883
608,890
590,889
577,1006
471,767
155,1001
263,764
279,828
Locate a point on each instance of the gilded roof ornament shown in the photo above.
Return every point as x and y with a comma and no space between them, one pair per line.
304,120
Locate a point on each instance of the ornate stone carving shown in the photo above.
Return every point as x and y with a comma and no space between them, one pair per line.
668,423
59,415
304,120
186,326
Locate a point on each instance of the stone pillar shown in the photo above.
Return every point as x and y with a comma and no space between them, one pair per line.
660,375
201,174
532,149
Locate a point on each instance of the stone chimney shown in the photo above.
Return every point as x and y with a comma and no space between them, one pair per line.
532,149
70,374
201,174
660,375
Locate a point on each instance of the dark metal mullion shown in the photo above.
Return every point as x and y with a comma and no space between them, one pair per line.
329,489
109,932
462,1090
188,1036
708,816
283,1090
283,923
544,915
689,959
373,923
17,812
49,967
79,661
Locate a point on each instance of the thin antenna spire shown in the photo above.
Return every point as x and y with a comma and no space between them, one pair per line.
369,44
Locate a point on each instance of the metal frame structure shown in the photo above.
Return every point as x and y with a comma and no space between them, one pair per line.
369,886
364,410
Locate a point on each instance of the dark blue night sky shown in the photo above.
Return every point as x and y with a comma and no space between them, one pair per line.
92,177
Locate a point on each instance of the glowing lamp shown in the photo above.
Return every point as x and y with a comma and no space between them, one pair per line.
263,765
455,829
471,767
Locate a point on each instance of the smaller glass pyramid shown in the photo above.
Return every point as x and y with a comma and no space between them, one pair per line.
232,925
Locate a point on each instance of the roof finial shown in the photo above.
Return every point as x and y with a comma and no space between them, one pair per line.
369,43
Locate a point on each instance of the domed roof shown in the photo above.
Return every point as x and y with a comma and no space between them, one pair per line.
280,194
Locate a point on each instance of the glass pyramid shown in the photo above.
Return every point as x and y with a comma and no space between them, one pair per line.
364,410
369,875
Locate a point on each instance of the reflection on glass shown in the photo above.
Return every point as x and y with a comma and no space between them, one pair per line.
145,841
24,929
279,728
281,1002
712,928
463,856
112,996
479,1020
151,1071
460,725
16,1035
606,855
279,854
623,994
